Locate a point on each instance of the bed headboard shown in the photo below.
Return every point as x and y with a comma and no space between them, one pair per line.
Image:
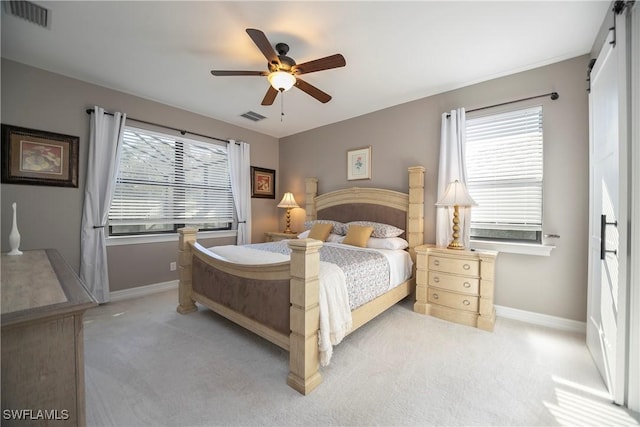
403,210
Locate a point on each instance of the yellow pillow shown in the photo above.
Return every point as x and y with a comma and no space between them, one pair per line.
358,235
320,231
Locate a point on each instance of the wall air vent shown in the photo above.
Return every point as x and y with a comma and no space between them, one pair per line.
28,11
253,116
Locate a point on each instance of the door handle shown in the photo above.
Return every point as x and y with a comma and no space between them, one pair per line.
603,236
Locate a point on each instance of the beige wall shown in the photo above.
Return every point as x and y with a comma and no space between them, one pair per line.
401,136
50,217
409,134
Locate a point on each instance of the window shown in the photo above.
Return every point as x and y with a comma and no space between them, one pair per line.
504,175
166,182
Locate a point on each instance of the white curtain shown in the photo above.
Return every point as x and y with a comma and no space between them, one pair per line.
105,144
239,171
452,167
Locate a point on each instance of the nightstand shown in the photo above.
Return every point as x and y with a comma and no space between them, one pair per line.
274,236
456,285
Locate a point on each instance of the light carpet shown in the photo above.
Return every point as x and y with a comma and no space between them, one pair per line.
147,365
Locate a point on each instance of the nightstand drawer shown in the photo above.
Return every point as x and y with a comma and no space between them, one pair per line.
457,301
467,285
469,267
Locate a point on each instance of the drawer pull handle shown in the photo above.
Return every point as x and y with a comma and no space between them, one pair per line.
436,262
466,266
436,279
466,302
435,296
466,284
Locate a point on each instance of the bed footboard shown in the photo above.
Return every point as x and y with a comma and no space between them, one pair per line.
304,312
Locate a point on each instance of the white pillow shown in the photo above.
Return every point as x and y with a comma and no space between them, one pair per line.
387,243
335,238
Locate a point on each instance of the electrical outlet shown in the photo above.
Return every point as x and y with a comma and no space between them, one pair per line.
172,266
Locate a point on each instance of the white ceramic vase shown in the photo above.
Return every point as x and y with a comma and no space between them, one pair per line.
14,235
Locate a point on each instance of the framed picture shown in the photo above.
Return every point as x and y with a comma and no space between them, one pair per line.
263,183
39,158
359,163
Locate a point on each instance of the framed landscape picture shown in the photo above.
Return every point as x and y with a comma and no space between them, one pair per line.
37,157
359,163
263,183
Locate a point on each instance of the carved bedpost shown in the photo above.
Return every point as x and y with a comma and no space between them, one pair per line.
187,236
415,215
305,315
311,191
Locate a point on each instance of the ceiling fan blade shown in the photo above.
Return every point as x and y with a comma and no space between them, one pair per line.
333,61
270,96
263,44
238,73
313,91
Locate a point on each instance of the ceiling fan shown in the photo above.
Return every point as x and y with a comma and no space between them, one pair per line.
283,71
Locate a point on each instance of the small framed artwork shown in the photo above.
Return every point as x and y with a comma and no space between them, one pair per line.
359,163
263,183
37,157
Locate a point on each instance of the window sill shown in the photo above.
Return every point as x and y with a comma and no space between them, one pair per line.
158,238
514,248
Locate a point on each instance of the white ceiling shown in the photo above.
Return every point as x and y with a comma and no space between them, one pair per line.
395,51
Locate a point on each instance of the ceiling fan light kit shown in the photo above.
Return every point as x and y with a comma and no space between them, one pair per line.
281,80
283,72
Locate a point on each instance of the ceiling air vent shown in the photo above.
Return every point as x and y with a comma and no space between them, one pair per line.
28,11
253,116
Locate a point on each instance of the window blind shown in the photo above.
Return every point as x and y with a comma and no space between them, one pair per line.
504,170
168,180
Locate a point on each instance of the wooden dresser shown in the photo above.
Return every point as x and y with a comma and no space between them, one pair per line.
43,304
456,285
275,236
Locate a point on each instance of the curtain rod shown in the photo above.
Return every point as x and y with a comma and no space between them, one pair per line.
553,95
182,131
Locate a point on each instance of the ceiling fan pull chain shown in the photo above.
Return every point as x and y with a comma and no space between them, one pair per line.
281,106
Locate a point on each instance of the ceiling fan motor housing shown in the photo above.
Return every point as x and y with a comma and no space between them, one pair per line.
286,62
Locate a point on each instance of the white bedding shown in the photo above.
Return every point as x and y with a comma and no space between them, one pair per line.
335,311
400,264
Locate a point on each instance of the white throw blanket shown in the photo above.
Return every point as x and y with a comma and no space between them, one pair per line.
335,313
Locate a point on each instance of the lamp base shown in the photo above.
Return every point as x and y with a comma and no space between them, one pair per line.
288,229
456,245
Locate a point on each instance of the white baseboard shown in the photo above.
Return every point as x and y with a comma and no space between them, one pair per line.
541,319
142,290
501,311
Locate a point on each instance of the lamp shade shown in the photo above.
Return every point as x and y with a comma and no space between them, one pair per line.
456,195
288,201
281,80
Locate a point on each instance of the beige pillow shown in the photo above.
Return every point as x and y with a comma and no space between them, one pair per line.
358,235
320,231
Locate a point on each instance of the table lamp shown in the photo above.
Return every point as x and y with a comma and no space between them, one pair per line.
289,203
456,195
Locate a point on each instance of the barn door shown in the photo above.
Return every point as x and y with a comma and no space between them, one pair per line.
606,311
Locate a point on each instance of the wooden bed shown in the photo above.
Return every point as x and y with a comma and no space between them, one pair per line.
403,210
